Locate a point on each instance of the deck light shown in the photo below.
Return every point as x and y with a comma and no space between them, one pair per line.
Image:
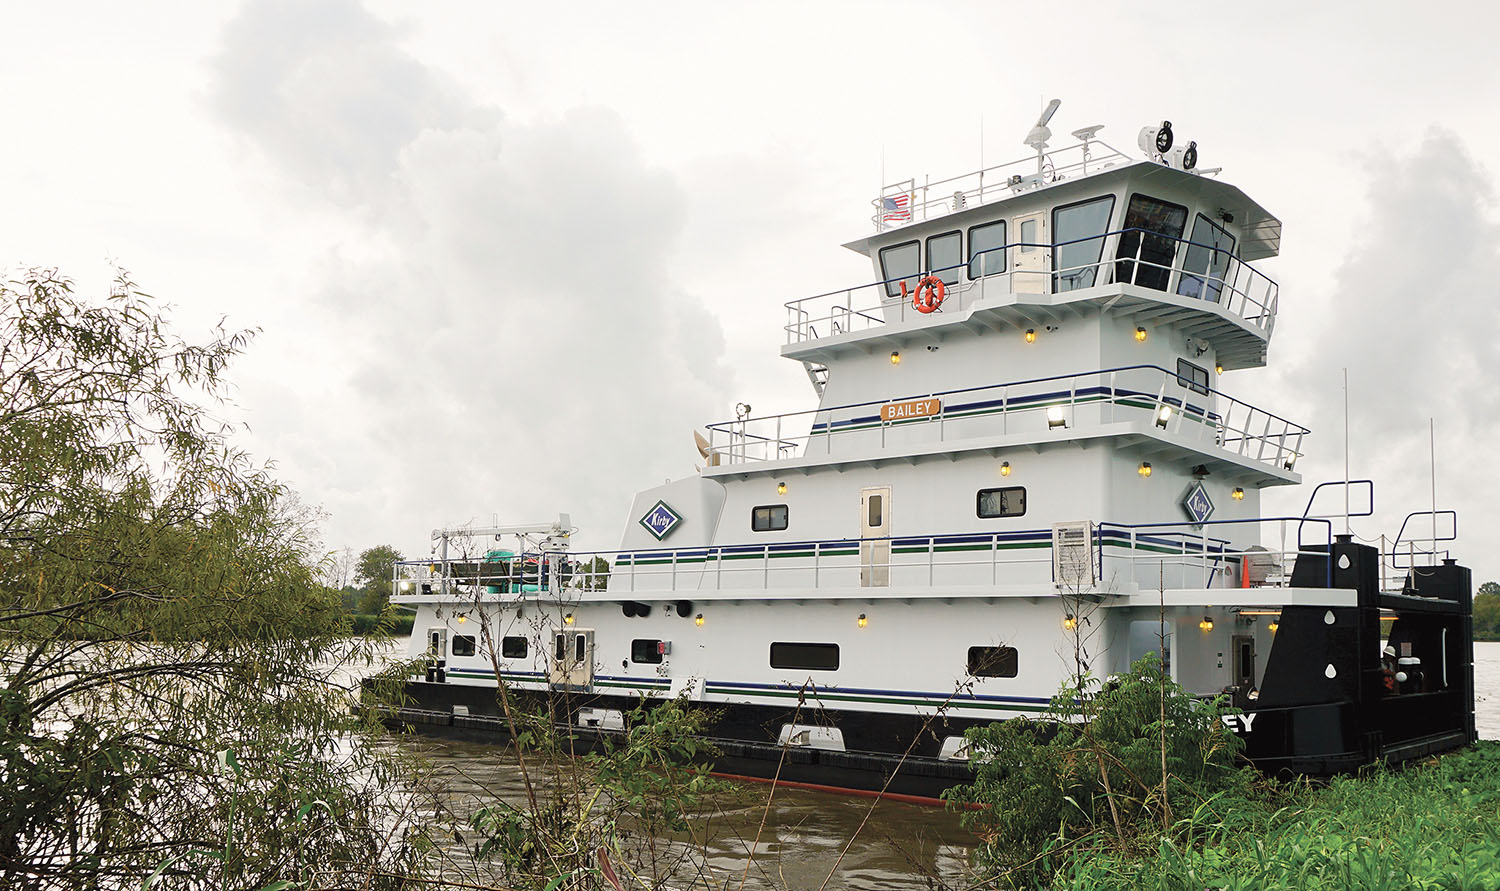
1290,462
1031,335
1272,626
698,620
1005,468
1140,334
781,488
406,584
462,619
1218,369
1145,469
1055,417
568,619
863,620
895,357
1238,494
1207,624
1163,415
1070,622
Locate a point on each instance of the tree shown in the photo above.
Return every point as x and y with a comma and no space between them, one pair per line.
373,573
1487,612
166,648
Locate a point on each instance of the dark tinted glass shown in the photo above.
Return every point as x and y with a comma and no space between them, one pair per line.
805,656
648,651
1208,256
1007,502
993,662
513,647
463,645
1192,377
1155,248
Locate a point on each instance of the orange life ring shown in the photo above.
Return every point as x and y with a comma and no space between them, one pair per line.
928,295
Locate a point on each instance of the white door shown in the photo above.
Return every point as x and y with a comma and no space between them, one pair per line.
875,535
437,654
1030,259
572,657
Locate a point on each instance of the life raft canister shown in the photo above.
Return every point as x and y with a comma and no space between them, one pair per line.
928,295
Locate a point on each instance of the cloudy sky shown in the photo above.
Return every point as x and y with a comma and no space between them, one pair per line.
507,256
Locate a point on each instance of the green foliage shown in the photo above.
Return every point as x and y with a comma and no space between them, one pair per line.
1487,612
159,603
593,574
1095,764
1430,826
374,572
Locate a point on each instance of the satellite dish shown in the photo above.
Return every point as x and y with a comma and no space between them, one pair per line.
1039,134
1087,133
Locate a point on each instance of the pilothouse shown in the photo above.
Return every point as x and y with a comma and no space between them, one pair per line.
1025,454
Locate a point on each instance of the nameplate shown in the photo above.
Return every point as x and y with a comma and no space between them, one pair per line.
916,408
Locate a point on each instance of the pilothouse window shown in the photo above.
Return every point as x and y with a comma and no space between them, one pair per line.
1209,254
898,263
987,249
1148,244
945,256
1078,242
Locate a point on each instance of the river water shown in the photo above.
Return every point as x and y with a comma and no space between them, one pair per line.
808,837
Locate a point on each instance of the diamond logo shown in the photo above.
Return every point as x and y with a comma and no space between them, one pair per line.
1198,505
660,520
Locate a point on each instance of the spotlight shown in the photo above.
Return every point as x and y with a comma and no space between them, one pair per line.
1055,417
1163,415
1145,469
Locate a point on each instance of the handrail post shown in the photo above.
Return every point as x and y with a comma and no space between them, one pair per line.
673,585
817,562
765,562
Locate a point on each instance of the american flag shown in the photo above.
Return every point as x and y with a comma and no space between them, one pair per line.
896,209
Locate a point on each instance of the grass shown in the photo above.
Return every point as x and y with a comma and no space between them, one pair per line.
1435,825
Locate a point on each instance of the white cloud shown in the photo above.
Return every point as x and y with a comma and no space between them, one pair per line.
510,336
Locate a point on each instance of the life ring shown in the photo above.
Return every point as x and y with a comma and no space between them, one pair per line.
929,294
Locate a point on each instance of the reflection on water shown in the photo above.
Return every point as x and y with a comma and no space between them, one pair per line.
900,845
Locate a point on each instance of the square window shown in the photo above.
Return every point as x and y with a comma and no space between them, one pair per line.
463,645
769,518
513,648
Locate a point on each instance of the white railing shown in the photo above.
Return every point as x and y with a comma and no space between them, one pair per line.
936,198
1197,414
1215,277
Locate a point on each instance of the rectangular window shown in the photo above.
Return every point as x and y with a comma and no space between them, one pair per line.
945,256
993,662
1192,377
1078,242
1007,502
769,518
987,250
646,651
1208,256
463,645
805,656
897,263
1152,227
513,648
876,518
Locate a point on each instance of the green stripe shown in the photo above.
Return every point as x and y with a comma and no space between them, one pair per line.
886,700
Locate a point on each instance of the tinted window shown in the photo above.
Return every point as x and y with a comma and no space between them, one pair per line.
579,647
769,518
897,262
984,259
1075,261
876,515
463,645
1151,252
1192,377
1007,502
993,662
647,651
513,647
945,256
1208,255
805,656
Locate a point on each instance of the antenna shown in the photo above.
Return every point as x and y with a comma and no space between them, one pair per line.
1039,134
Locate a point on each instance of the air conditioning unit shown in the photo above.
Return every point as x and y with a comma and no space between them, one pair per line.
1073,563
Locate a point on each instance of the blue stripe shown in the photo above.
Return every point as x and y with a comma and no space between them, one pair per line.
745,685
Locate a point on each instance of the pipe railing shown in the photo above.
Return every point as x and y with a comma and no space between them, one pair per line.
1202,415
1245,292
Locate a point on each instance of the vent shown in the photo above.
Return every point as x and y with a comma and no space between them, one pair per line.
1073,562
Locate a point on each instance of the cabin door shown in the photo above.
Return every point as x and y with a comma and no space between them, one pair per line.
1030,257
572,658
437,654
875,537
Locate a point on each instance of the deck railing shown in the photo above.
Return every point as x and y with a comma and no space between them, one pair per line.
1126,557
1199,414
1177,266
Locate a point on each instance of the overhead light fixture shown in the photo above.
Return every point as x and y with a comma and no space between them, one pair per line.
863,620
1238,494
1145,469
1005,468
1218,369
462,619
568,619
895,357
1140,334
1055,417
1207,624
698,620
1272,626
1031,335
1163,415
781,488
1070,622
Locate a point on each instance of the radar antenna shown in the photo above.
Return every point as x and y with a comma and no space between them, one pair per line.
1039,134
